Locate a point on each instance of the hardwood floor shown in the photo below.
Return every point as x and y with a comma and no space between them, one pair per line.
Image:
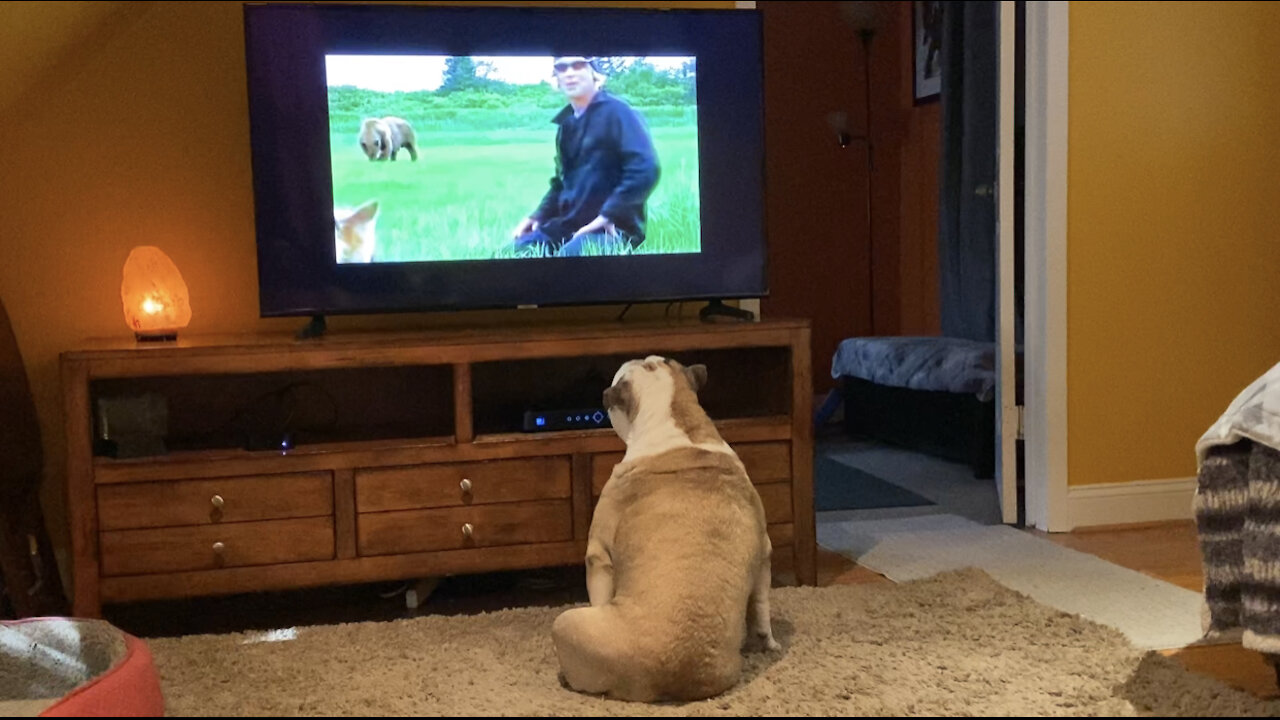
1167,551
1170,551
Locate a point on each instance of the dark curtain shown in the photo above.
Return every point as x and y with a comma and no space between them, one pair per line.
967,209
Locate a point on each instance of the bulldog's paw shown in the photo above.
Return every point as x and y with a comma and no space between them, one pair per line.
764,642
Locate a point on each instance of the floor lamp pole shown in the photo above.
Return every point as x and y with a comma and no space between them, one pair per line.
843,138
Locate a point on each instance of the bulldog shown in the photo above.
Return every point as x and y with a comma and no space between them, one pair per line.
678,555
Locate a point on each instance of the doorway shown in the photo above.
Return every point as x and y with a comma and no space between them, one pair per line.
881,206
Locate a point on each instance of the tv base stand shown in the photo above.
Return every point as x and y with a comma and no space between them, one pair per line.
409,461
716,310
315,328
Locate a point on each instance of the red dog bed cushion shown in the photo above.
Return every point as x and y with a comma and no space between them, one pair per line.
64,667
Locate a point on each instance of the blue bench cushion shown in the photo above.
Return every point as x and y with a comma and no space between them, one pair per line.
943,364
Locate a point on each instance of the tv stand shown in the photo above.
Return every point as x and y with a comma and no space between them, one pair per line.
409,457
315,328
717,309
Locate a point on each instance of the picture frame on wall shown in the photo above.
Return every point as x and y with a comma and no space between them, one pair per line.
926,31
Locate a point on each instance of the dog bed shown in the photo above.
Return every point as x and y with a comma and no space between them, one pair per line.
72,667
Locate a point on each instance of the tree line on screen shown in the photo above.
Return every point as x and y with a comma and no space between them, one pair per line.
667,97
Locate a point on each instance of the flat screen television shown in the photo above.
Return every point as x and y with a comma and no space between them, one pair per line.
416,158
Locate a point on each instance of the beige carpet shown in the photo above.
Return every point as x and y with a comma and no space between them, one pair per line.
957,643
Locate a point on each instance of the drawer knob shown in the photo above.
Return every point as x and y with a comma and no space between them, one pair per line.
219,547
217,501
465,485
467,530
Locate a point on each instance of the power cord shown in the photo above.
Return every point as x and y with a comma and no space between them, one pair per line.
284,404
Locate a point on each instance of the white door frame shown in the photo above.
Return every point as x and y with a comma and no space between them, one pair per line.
1045,217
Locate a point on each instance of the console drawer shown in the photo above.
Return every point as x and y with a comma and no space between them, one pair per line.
452,484
208,547
766,462
124,506
409,531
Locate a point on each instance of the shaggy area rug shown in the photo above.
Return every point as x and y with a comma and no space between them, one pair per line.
954,644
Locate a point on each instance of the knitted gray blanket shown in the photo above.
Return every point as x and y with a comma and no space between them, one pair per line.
1237,510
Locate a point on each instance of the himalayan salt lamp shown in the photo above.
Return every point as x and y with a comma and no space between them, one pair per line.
154,295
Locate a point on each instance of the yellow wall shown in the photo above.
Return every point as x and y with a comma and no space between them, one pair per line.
132,129
1173,227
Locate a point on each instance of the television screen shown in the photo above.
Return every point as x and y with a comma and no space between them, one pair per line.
490,125
417,158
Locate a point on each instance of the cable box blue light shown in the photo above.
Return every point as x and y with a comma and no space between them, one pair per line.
574,419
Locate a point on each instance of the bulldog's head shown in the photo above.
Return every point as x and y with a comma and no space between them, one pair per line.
663,383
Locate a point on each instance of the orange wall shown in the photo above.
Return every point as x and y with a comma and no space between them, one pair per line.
815,209
1173,277
920,308
137,133
908,140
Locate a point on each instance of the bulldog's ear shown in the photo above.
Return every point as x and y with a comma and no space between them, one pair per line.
618,397
697,375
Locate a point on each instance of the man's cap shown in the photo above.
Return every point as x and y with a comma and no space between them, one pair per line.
577,58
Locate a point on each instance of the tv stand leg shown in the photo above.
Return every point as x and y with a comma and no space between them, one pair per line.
421,590
315,328
717,309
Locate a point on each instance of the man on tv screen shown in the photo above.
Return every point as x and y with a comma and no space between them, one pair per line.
606,168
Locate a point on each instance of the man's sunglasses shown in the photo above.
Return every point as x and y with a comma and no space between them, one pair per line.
576,65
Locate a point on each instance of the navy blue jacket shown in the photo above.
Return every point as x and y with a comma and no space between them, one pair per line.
605,165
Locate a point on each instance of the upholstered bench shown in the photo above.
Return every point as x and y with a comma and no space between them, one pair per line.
932,394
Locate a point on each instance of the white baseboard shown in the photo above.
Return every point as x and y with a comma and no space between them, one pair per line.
1132,502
